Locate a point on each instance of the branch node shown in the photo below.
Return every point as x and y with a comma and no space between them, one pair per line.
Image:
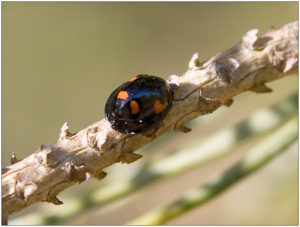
208,105
249,39
129,157
173,79
25,189
64,131
13,158
194,62
100,175
226,68
91,138
173,83
261,88
290,64
228,102
261,43
29,190
47,155
183,128
78,173
54,200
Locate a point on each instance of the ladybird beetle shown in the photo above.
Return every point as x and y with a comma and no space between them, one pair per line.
138,105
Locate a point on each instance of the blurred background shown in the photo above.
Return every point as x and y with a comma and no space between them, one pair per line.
61,60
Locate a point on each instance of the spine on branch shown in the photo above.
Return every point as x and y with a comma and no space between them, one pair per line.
200,90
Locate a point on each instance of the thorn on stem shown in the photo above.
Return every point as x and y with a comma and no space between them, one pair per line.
64,131
261,88
194,62
100,175
129,157
249,39
183,128
55,201
228,102
13,158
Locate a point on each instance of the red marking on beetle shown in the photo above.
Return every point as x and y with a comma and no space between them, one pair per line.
134,107
133,78
123,95
159,107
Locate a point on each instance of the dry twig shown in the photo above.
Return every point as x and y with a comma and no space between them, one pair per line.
201,90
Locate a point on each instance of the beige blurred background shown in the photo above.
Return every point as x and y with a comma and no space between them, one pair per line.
61,60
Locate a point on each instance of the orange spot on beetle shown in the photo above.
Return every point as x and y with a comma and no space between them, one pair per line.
159,107
133,78
123,95
134,107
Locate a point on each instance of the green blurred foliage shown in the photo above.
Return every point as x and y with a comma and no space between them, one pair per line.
61,60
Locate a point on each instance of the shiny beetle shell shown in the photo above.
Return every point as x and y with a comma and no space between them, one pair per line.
138,105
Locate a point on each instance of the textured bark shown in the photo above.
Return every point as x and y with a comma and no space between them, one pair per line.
201,90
